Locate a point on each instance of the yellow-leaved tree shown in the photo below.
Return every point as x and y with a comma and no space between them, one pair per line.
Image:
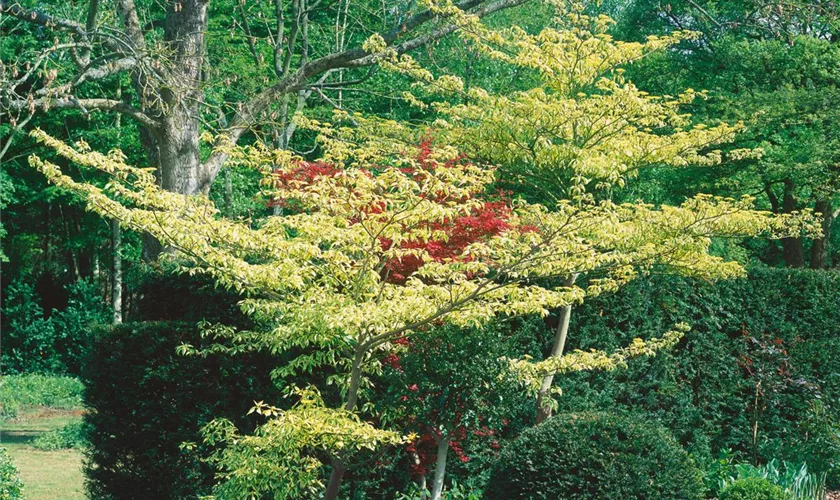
576,137
377,240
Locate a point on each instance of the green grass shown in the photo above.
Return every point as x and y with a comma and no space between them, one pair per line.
46,475
20,391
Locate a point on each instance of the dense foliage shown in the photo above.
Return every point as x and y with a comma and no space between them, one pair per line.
404,235
36,342
761,358
10,486
582,456
145,401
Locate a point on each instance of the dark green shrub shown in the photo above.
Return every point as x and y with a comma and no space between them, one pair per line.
38,341
701,390
28,336
592,456
753,489
145,401
10,486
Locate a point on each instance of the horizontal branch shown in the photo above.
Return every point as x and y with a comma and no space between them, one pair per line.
84,105
356,57
15,10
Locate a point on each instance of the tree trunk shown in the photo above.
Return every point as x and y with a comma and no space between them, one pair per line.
178,150
819,249
556,351
793,250
420,480
338,467
440,467
116,290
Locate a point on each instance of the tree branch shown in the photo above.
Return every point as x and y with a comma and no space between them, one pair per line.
356,57
85,105
37,17
128,13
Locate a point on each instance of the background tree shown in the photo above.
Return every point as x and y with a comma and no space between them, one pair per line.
179,89
582,131
770,64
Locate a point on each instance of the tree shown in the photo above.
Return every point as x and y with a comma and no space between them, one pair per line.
582,132
318,276
769,64
176,91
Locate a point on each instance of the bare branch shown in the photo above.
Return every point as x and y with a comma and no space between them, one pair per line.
14,9
84,105
356,57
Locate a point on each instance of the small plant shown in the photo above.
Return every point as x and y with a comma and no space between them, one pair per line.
753,488
455,492
794,480
10,486
716,472
72,435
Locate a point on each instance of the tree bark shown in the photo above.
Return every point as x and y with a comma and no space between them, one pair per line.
116,290
793,251
556,351
440,467
819,248
338,467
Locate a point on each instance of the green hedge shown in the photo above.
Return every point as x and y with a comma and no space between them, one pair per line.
771,321
591,456
146,401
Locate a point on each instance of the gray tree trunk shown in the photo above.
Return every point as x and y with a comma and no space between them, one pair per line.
440,467
116,290
543,412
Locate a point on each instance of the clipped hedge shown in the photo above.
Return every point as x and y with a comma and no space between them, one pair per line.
774,320
592,456
146,401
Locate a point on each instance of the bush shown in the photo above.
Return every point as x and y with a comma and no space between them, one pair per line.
37,342
73,435
10,486
591,456
39,390
28,336
146,401
785,322
753,489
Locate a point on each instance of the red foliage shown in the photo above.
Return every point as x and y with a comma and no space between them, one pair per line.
306,172
490,219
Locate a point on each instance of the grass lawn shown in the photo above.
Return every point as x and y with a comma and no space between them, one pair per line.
46,475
